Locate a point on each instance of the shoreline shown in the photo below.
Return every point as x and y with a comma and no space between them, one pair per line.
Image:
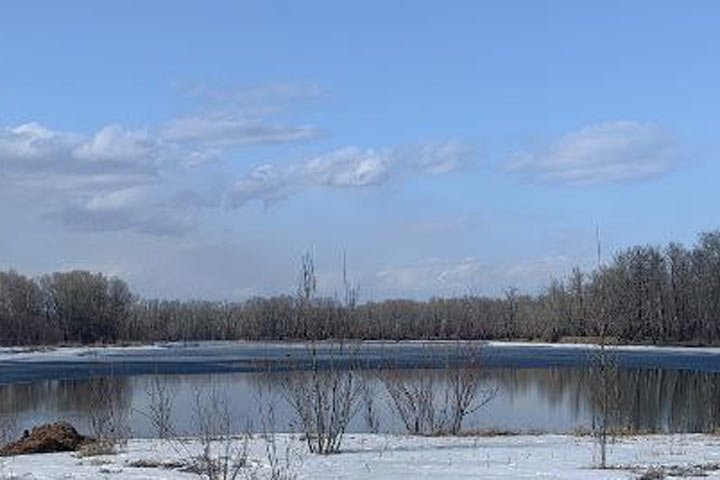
80,350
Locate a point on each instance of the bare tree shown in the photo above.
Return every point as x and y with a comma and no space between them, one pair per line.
605,395
437,402
653,295
108,417
325,398
307,287
603,375
464,384
160,404
372,421
412,398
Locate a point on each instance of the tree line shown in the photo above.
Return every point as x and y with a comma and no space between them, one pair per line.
644,294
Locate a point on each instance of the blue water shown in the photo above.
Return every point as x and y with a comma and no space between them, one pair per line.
538,387
228,357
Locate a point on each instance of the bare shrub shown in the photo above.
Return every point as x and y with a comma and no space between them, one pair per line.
437,402
463,385
282,460
325,398
372,421
160,404
412,398
108,419
223,455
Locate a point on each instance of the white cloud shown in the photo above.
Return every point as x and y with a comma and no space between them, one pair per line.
77,178
109,180
114,143
446,276
229,130
32,151
138,210
348,167
265,183
608,152
33,142
437,158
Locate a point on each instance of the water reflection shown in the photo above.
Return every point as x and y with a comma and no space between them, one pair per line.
550,399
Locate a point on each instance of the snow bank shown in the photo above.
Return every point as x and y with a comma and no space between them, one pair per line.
58,354
79,354
560,457
625,348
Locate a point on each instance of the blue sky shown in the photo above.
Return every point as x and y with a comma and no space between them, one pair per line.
198,148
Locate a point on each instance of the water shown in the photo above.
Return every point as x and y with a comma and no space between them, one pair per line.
534,388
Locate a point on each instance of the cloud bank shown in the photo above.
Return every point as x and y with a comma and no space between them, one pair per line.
108,181
349,167
469,275
609,152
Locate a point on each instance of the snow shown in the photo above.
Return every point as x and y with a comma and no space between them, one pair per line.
367,456
87,353
623,348
59,354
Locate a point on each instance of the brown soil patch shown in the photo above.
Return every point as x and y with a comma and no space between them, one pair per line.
49,438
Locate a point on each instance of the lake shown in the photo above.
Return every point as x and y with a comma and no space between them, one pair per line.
534,387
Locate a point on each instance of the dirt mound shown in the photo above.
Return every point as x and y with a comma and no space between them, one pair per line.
52,437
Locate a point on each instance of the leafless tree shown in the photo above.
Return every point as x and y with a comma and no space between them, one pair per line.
464,385
372,421
107,416
437,402
412,395
325,399
659,295
605,395
603,374
160,404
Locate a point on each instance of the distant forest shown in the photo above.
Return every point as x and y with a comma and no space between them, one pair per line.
645,294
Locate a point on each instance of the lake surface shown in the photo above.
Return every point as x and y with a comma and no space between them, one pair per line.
535,387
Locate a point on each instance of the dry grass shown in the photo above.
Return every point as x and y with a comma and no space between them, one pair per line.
485,432
96,448
589,340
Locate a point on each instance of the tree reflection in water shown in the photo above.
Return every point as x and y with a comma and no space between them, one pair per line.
652,400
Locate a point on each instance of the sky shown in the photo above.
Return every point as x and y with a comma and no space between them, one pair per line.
198,149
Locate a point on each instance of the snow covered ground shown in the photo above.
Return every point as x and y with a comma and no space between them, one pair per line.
401,457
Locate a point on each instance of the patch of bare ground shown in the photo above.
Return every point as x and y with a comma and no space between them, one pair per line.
48,438
673,471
